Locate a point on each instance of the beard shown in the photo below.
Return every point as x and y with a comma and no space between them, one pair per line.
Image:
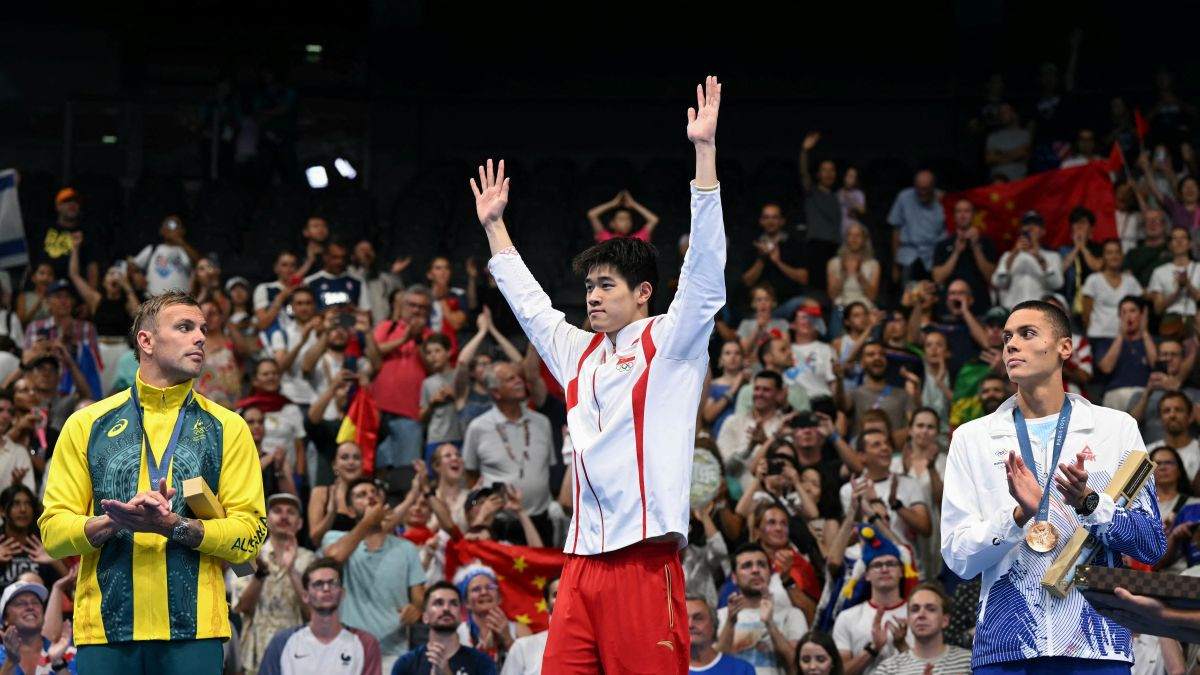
991,405
444,629
750,592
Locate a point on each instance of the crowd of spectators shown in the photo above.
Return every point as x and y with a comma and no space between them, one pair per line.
861,335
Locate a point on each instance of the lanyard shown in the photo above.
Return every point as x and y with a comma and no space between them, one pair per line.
508,448
1060,436
158,471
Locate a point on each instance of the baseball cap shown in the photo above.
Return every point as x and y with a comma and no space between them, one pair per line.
236,281
65,195
476,496
18,587
995,315
60,285
1032,217
284,497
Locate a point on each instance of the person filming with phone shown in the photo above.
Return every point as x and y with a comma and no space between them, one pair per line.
1028,270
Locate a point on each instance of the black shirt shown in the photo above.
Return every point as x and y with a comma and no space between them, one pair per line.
55,248
967,269
791,251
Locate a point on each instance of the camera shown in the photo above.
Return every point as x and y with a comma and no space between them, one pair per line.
775,467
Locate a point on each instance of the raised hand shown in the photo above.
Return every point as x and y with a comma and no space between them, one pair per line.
491,194
60,646
702,120
1072,482
1022,485
810,140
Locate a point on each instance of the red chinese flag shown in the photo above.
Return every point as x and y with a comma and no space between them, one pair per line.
998,208
361,425
1143,127
1116,158
522,571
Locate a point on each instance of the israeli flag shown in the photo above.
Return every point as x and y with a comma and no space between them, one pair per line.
13,251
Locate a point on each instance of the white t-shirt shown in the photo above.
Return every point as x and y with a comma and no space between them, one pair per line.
304,653
525,657
751,641
852,630
167,268
908,491
1104,322
813,368
292,382
283,427
1162,280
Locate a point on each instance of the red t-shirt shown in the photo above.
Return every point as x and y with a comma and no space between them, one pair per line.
605,235
397,387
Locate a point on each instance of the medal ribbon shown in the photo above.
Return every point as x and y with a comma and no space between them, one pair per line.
1060,436
158,470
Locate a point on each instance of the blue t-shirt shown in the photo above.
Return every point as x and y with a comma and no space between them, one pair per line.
377,583
724,665
466,661
1133,368
45,651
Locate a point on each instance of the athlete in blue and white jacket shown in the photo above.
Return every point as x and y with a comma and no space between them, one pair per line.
991,498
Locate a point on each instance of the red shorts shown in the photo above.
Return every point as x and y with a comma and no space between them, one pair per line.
620,612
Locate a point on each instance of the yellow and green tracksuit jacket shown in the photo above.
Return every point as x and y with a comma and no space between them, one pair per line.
141,586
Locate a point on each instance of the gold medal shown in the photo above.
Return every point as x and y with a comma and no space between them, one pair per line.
1042,537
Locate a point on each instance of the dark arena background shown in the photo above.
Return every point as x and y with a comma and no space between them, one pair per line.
894,178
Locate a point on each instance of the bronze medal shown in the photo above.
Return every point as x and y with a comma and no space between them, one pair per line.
1042,537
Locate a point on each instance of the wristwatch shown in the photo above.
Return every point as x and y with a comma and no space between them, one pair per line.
180,532
1089,504
896,505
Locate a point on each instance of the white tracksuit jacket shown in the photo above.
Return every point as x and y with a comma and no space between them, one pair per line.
631,406
1017,619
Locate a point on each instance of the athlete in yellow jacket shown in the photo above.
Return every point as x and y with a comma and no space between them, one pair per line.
151,593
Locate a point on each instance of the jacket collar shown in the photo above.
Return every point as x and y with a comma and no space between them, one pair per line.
1000,423
628,334
154,398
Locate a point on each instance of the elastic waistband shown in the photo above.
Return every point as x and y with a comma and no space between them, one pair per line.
641,551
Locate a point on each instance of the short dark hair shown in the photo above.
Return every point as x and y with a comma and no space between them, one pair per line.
438,339
147,314
994,376
861,444
546,589
1174,393
749,547
320,564
1059,323
442,585
1137,302
303,290
1081,213
935,588
634,260
772,376
359,481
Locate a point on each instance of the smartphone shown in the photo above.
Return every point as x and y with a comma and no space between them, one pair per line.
296,280
350,363
775,467
500,489
804,420
345,320
1159,367
43,334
